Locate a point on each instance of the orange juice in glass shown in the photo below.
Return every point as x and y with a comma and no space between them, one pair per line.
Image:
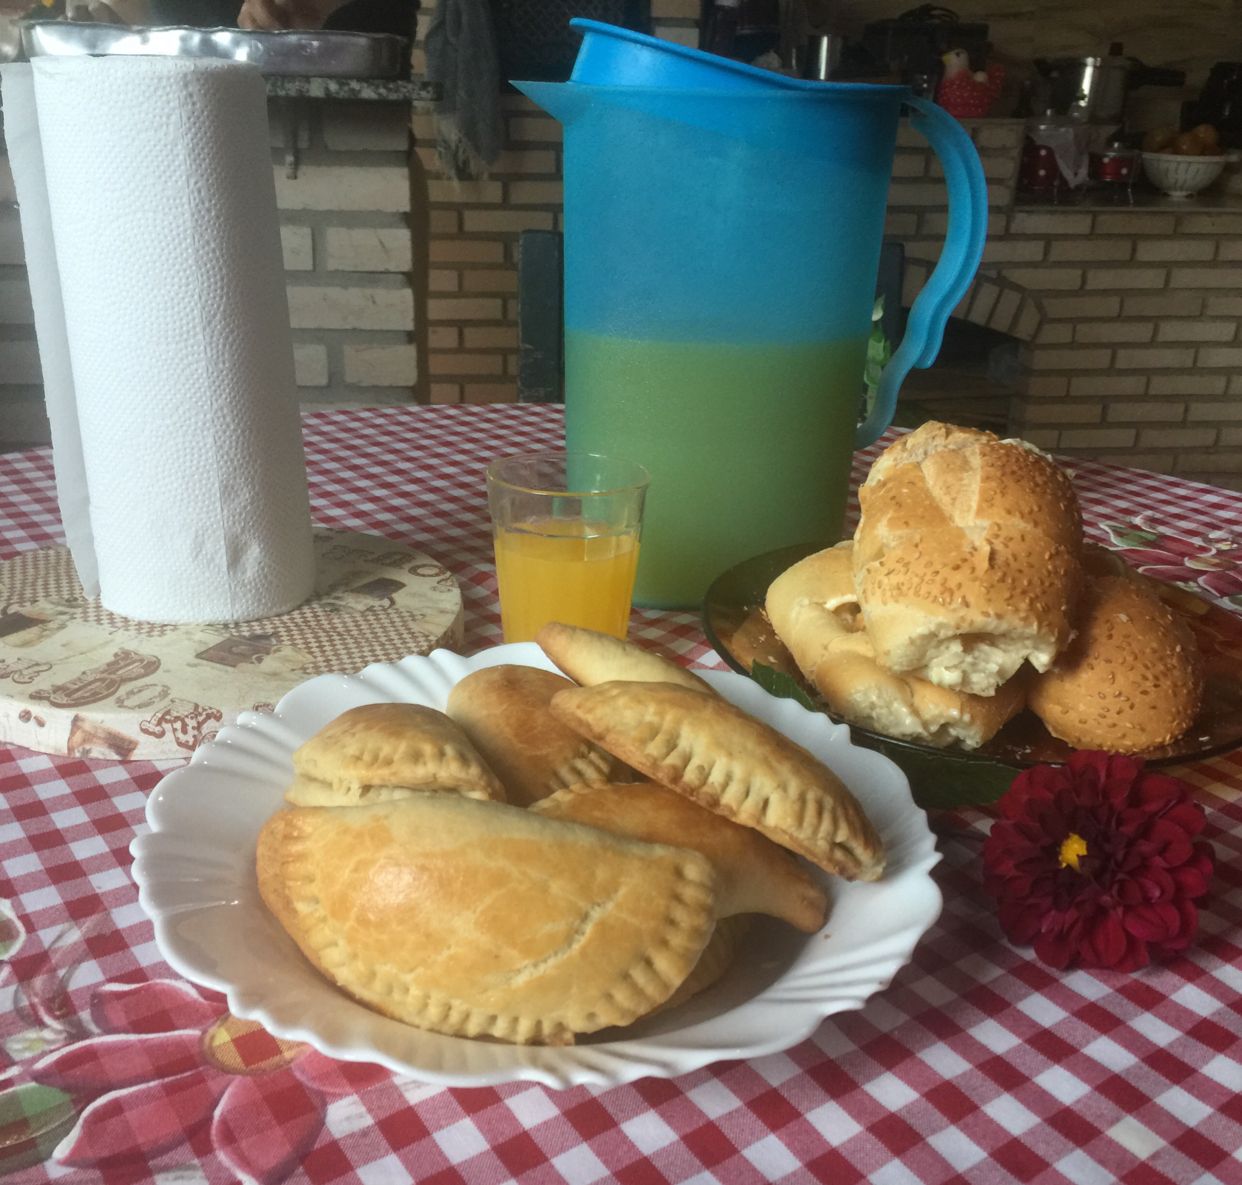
566,530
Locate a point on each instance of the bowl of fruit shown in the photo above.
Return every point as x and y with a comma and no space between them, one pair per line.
1181,164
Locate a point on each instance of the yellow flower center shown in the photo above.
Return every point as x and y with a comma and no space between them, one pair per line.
1073,848
244,1047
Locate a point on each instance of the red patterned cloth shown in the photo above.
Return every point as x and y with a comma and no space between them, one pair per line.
978,1064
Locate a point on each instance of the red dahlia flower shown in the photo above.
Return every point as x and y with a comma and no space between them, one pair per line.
1096,864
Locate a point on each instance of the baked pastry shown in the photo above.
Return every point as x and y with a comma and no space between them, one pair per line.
504,711
753,875
728,761
718,957
378,752
1131,680
480,919
813,608
589,657
967,558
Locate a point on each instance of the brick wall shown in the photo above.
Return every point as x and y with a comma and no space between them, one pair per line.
347,233
1129,317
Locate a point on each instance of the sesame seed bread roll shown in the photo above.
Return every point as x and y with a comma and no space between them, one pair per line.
814,610
1131,680
967,558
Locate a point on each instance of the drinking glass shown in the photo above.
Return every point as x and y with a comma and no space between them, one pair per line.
566,529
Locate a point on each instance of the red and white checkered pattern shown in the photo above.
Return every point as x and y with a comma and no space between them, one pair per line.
978,1064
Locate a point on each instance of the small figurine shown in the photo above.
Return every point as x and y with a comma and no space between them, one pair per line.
966,94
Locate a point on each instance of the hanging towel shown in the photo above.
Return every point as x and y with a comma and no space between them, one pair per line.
462,57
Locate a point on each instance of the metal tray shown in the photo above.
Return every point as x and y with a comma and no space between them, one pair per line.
321,53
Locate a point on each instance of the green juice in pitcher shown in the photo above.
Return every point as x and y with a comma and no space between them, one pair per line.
748,445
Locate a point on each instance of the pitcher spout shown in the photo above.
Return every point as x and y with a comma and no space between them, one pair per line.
562,100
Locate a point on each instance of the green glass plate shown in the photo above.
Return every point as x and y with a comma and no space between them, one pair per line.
737,627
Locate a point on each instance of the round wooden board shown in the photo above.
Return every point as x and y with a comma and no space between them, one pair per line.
79,681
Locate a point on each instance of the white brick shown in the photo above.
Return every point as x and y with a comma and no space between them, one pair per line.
1174,250
298,247
1147,411
1013,251
1151,358
1114,331
1186,384
367,249
366,127
1090,250
1196,331
909,164
1211,224
1043,279
1054,222
1134,224
1221,356
1097,438
1063,413
381,366
1079,307
1230,409
15,306
1164,304
310,364
351,308
1223,306
327,187
999,135
1205,277
1125,277
1176,437
1108,385
916,193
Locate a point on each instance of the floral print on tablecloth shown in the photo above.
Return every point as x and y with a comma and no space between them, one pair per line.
152,1071
1210,563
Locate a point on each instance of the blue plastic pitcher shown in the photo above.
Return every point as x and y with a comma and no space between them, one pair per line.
723,227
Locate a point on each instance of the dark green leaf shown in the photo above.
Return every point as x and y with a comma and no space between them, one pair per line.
782,686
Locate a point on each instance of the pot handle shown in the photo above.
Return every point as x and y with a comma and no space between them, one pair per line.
954,271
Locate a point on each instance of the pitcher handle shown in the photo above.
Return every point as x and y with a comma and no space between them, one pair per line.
954,271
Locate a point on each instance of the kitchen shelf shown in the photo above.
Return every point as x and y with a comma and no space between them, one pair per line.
374,90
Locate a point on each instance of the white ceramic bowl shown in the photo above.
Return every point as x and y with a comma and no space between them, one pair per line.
1182,176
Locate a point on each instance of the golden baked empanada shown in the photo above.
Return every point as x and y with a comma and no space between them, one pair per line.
480,919
753,875
718,956
589,657
380,752
726,760
504,711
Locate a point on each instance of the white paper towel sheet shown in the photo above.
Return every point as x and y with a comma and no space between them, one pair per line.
149,216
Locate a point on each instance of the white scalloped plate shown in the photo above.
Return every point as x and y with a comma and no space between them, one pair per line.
195,875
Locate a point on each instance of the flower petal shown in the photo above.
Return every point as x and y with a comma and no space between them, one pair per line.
334,1078
1225,585
1153,923
106,1063
156,1006
142,1121
266,1124
1106,943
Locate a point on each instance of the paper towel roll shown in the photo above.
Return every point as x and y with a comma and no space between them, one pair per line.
167,249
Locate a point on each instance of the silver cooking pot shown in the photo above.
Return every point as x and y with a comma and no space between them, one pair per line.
1093,89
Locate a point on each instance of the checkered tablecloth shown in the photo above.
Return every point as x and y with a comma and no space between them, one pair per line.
978,1064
